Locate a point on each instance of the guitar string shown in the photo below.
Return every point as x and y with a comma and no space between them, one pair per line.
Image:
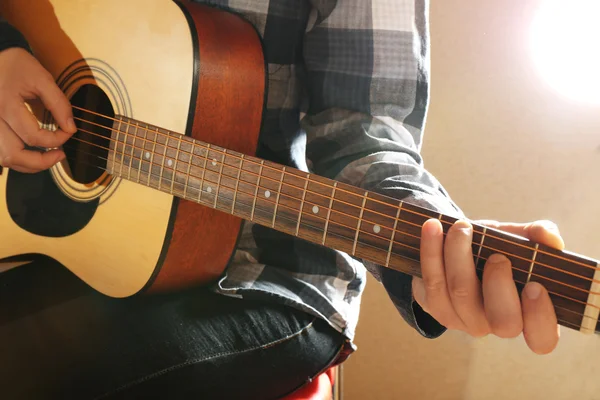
476,267
333,222
338,212
168,136
342,213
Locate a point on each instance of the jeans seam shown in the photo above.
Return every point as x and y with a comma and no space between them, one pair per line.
201,359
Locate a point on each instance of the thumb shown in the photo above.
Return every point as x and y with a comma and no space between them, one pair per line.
57,103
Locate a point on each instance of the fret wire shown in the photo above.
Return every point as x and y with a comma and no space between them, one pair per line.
277,200
534,274
387,261
412,212
367,244
329,212
220,177
162,166
417,213
203,173
256,191
481,245
187,174
142,156
175,164
302,204
152,159
500,238
521,282
410,223
123,154
116,146
362,209
132,150
532,262
237,184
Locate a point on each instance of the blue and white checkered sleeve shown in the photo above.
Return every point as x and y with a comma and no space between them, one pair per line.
367,79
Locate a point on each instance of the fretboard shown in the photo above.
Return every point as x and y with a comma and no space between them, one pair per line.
362,223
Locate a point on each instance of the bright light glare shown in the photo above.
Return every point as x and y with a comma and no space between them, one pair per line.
566,47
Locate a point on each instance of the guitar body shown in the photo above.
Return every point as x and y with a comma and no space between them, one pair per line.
181,66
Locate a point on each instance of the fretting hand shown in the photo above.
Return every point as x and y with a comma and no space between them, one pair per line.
451,292
23,78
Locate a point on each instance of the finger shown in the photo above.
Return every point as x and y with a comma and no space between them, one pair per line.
418,289
26,126
437,300
501,298
15,156
23,169
540,327
57,103
463,285
543,231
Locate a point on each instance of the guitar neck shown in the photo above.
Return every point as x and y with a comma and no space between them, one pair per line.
361,223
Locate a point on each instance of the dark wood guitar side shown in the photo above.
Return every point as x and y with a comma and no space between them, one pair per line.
226,110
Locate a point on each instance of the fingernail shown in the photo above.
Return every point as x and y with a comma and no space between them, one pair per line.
464,225
533,290
71,124
551,226
498,258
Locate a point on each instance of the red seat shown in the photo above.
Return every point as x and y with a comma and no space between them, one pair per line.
319,389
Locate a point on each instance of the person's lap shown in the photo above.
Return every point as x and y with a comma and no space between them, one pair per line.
60,339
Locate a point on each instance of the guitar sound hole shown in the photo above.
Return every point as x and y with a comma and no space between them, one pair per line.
87,149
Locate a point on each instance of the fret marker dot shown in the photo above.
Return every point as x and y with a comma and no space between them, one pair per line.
315,209
170,163
267,194
148,154
214,162
209,189
376,229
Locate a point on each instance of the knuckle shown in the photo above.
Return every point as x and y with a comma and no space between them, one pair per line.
459,287
434,285
30,139
460,291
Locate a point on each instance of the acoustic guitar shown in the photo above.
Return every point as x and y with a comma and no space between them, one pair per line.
168,98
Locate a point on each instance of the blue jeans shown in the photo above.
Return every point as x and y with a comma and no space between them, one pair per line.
60,339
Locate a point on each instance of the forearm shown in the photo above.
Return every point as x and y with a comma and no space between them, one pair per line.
368,81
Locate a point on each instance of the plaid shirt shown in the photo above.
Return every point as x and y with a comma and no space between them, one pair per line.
348,95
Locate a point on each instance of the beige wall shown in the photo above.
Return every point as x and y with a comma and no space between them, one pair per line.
507,147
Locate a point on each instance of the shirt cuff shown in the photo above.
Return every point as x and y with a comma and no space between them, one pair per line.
399,288
11,37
